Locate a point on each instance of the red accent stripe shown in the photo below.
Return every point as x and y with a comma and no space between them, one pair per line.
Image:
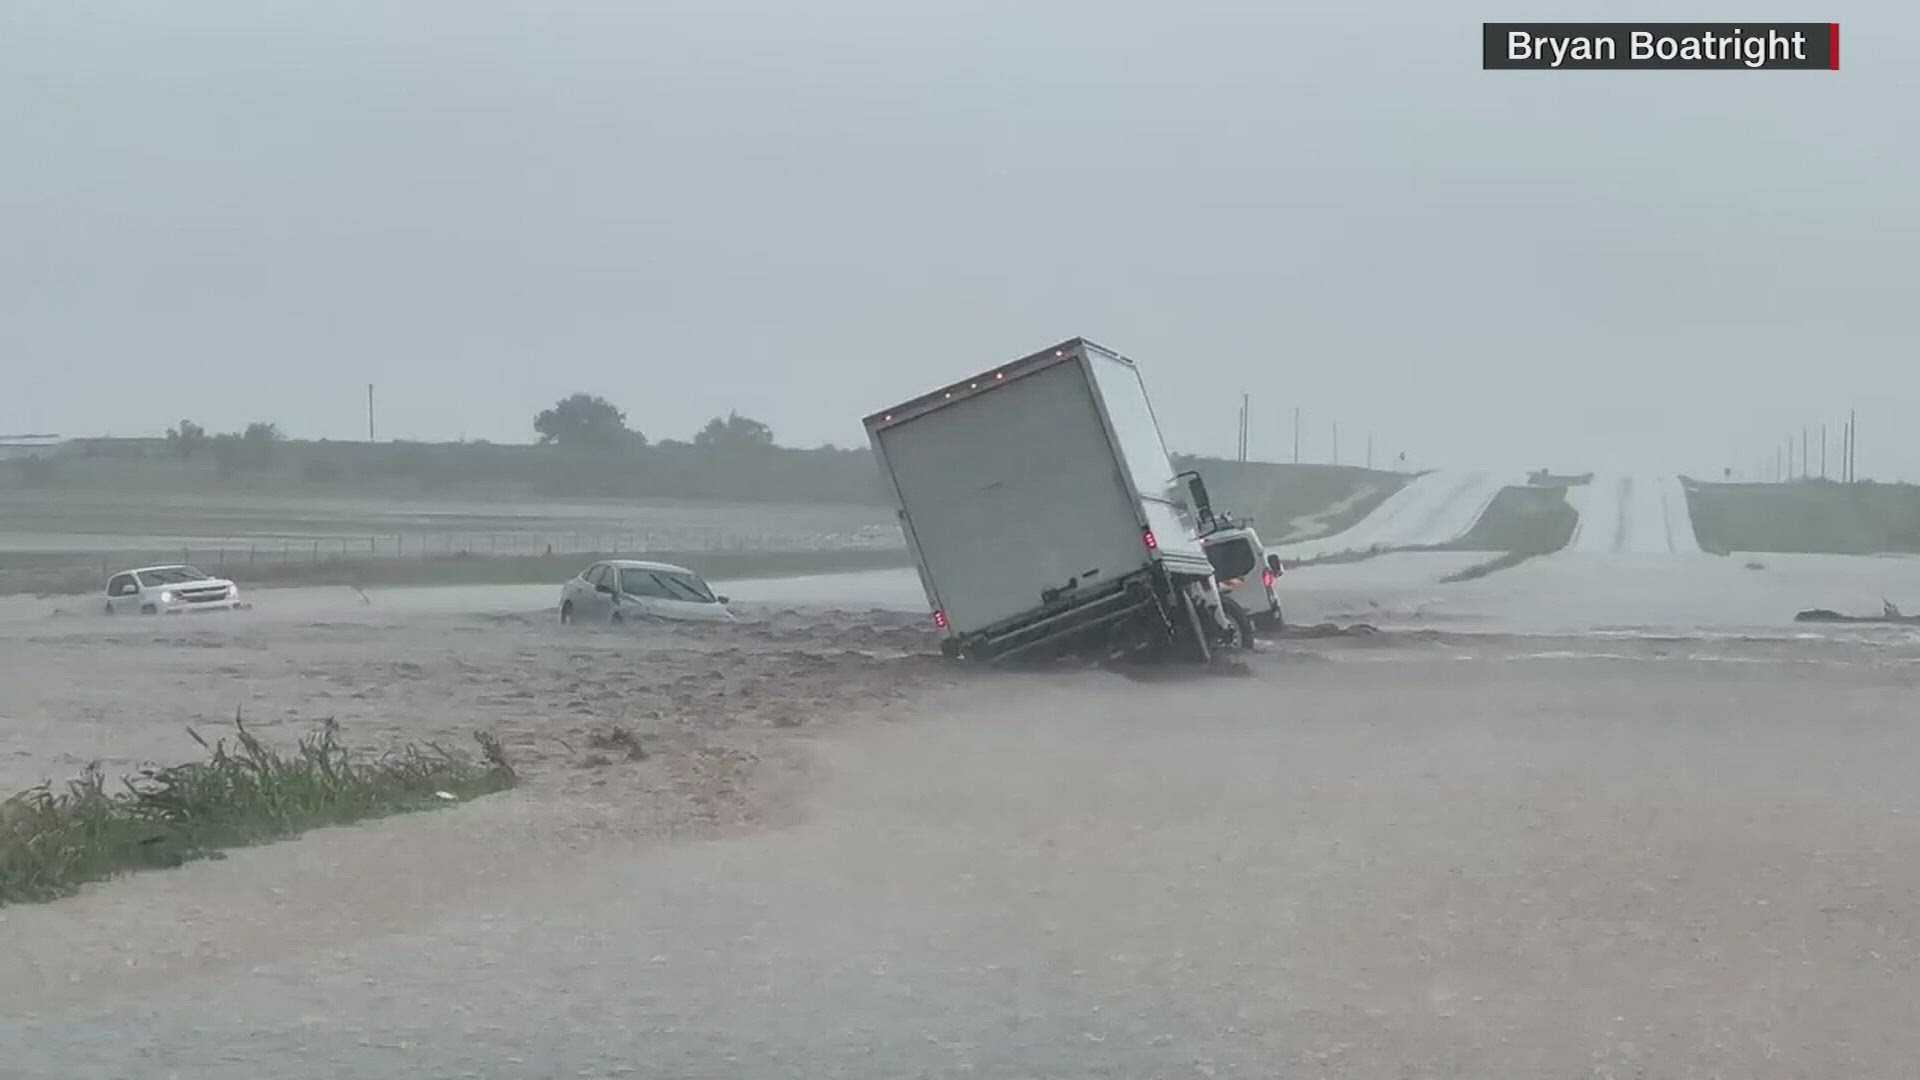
1833,46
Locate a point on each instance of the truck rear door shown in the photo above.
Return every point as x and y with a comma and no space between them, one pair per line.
1012,492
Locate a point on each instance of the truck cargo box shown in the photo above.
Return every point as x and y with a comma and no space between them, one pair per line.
1033,485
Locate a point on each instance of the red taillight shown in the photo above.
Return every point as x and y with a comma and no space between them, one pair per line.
1266,578
1152,542
940,619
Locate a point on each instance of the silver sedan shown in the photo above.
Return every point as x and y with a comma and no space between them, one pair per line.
623,590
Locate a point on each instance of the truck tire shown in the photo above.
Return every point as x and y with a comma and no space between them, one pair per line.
1242,622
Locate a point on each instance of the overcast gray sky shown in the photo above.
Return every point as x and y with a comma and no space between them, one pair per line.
234,210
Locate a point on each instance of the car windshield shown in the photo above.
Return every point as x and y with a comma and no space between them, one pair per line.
171,575
664,584
685,586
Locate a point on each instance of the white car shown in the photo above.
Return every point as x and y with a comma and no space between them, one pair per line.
622,590
170,590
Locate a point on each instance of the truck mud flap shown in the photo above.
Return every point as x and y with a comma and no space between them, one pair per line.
1191,638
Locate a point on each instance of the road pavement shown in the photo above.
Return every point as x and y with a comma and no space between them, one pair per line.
1623,513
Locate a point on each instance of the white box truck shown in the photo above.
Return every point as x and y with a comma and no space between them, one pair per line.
1044,516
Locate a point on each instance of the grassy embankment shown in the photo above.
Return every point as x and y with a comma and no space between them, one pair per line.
1321,499
442,471
1813,516
53,842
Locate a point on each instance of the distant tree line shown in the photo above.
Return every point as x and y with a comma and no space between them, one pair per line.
585,449
252,448
590,422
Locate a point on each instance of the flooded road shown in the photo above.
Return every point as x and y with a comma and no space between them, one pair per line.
1568,593
1426,860
1606,814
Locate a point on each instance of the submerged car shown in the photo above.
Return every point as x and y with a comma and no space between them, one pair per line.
621,590
169,590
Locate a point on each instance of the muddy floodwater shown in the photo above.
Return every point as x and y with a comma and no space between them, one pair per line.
1504,837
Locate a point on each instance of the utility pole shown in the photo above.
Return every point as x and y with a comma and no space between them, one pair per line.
370,412
1244,401
1296,435
1823,451
1805,469
1853,445
1369,450
1336,442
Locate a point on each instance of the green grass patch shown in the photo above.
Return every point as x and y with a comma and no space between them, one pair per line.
53,842
1553,479
1479,570
1536,519
1341,558
1815,516
1521,523
21,573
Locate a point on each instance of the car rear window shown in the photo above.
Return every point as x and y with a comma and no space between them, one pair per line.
1232,558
